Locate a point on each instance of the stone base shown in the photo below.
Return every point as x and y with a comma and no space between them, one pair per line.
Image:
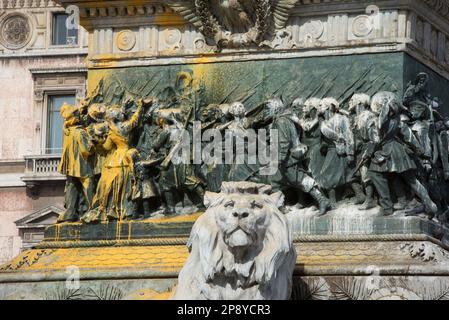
351,256
179,226
347,221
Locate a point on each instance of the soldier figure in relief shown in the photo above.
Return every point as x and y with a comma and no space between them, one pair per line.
175,178
291,172
148,167
391,153
338,146
428,127
363,120
376,143
241,168
77,164
310,124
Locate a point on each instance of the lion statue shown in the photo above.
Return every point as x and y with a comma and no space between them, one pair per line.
240,249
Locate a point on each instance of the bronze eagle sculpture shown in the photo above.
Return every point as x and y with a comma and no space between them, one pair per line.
234,23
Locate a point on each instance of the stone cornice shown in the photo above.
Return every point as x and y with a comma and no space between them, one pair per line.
159,35
93,13
73,69
116,13
24,4
112,8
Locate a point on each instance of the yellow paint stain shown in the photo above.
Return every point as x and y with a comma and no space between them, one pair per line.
130,226
178,219
164,221
158,258
116,183
58,232
94,78
199,69
118,230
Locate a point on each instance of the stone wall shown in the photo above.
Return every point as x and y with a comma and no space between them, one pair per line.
16,203
29,65
21,136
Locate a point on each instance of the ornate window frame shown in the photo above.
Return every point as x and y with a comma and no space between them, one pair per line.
49,83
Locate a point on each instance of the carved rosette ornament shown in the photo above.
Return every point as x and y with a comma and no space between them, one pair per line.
15,31
172,38
235,23
362,26
126,40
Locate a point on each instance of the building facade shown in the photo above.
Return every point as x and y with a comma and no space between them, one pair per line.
42,66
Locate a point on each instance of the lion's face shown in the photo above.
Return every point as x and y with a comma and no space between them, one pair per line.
243,220
241,247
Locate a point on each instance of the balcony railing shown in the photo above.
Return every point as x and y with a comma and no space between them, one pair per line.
42,168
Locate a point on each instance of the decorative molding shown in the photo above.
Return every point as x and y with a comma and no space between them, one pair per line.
172,38
16,31
74,69
97,10
27,260
38,95
113,243
362,26
29,221
64,79
364,238
426,252
23,4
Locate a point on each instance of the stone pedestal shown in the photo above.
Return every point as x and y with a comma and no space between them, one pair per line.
323,48
353,257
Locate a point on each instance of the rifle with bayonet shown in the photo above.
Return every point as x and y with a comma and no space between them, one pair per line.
151,162
178,144
366,156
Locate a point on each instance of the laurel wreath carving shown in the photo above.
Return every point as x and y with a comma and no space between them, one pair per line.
263,14
210,24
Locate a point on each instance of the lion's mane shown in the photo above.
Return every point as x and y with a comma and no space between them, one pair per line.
263,271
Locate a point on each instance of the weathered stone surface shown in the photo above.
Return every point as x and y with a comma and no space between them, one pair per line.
241,248
133,230
31,68
332,269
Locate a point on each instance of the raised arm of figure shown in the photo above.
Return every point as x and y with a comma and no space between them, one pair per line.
134,120
108,145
